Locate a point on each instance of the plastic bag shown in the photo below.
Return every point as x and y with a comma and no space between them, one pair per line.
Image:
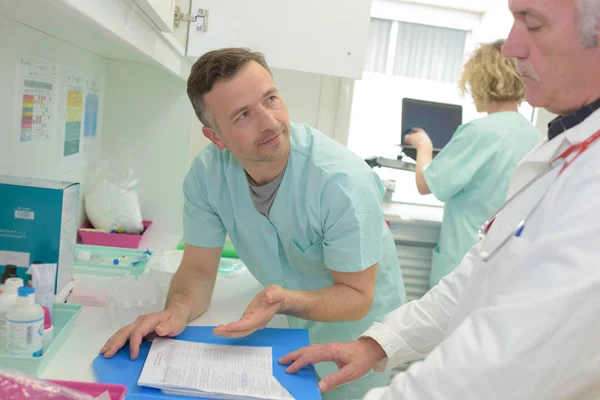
112,198
15,385
130,296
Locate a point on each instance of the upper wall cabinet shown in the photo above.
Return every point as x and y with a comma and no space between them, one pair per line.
327,37
160,12
115,29
321,36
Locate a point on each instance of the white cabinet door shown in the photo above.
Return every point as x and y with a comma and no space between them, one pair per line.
322,36
161,12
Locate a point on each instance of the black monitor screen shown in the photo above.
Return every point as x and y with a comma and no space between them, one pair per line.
439,120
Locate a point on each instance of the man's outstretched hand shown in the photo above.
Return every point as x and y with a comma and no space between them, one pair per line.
257,315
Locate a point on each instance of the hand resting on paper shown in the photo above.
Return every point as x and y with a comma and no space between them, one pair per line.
189,296
170,322
258,314
354,359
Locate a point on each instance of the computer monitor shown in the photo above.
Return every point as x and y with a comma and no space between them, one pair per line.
439,120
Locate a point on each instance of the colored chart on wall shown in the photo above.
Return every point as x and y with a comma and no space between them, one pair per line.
39,82
91,115
74,115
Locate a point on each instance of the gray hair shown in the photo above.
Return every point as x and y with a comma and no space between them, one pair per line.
589,22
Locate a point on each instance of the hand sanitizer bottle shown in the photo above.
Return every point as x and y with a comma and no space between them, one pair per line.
7,300
25,325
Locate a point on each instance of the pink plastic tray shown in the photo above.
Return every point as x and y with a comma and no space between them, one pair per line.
116,392
125,240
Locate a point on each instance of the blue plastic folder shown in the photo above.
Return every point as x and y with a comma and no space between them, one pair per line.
303,385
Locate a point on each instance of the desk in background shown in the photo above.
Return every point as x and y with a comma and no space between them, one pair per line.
416,230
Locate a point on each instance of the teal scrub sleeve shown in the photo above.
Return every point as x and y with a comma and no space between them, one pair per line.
456,165
353,223
202,226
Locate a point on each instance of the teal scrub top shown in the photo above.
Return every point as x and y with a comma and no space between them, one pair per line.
471,175
327,215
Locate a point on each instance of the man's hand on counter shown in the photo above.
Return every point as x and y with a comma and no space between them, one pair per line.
257,315
170,322
354,360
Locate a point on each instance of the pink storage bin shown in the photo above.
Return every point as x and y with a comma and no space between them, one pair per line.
116,392
125,240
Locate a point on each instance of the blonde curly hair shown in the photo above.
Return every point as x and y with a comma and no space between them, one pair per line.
490,77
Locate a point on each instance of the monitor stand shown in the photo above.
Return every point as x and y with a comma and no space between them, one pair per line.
390,163
408,152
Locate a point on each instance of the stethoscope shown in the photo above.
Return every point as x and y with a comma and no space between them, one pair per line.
548,176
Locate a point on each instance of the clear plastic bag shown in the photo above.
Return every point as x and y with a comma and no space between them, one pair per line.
112,196
130,296
15,385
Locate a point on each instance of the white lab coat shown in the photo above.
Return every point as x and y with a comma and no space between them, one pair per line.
525,324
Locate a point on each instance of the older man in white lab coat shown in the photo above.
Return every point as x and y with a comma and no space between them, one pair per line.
518,319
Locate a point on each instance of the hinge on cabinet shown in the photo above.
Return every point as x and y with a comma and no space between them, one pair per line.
199,18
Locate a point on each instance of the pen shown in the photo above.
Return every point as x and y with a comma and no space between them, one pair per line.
520,229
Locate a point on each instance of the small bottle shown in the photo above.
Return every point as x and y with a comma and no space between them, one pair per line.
10,271
7,300
25,325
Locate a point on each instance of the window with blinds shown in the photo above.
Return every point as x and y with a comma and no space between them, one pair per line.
378,45
415,51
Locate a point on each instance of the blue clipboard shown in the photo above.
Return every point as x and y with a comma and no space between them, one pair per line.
303,385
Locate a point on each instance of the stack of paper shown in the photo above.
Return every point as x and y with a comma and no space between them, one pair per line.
211,371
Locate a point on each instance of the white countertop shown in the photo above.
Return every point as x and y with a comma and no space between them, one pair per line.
405,212
74,359
158,239
231,296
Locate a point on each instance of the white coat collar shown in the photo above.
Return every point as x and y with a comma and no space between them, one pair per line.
548,150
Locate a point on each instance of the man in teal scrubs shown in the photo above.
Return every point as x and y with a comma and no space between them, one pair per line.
303,212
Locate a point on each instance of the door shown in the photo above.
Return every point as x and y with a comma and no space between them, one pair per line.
321,36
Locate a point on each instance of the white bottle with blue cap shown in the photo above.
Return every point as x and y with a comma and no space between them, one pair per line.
25,325
8,299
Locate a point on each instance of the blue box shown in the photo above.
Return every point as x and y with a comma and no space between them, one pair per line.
38,223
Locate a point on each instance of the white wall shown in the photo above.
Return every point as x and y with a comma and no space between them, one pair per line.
41,159
149,116
496,22
301,92
543,118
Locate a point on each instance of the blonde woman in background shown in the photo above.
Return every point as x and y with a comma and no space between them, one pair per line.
472,173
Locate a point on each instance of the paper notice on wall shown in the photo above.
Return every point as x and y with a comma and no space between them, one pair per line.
93,98
37,80
92,101
74,114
